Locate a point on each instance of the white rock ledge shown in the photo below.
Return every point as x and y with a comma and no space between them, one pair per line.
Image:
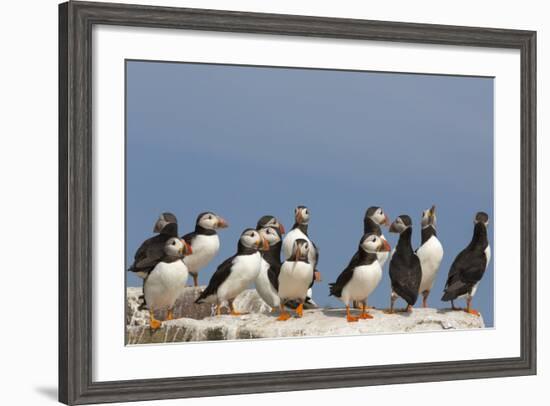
259,323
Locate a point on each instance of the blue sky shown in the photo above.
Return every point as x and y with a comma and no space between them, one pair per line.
246,141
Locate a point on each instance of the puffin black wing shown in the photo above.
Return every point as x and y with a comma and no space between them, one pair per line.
316,253
405,275
346,275
149,254
467,269
315,265
273,275
222,273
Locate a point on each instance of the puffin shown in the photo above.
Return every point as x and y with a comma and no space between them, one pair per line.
405,270
204,241
469,266
270,221
236,273
430,254
152,249
267,282
295,277
372,221
374,218
300,230
166,281
361,276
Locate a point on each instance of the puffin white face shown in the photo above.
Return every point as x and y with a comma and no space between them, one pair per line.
271,235
175,247
275,224
372,243
300,249
252,239
211,221
301,214
380,218
400,224
428,217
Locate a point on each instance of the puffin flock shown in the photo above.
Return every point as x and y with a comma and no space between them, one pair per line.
165,261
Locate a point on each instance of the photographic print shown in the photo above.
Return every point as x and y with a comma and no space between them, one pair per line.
271,202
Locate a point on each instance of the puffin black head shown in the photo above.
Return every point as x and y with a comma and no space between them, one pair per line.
482,217
210,221
429,218
372,244
270,221
300,250
271,234
175,247
376,214
400,224
251,238
166,224
301,215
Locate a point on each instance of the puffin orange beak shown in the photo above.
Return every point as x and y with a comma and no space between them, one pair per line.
262,244
282,228
299,217
385,246
386,220
298,252
187,250
222,223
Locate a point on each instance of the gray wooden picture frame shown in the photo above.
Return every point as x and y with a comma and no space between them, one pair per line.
76,20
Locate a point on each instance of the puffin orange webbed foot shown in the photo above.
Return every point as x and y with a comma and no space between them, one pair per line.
300,310
283,316
236,313
472,311
154,324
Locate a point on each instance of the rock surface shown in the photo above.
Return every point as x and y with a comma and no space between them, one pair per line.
248,301
197,323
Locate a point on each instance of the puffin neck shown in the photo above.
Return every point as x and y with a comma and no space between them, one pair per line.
171,258
479,239
204,231
301,227
273,255
292,258
428,232
365,257
243,250
405,240
370,226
